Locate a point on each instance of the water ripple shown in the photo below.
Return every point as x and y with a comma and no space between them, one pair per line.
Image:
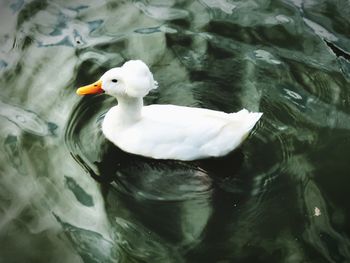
26,120
161,12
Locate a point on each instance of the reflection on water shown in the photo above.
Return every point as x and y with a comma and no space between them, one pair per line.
68,195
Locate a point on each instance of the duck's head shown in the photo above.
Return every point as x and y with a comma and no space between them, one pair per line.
133,79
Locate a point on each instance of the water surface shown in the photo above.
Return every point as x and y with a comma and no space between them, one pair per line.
68,195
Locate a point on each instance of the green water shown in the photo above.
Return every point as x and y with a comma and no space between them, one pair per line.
68,195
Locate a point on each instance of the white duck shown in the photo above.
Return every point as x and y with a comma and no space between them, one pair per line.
165,131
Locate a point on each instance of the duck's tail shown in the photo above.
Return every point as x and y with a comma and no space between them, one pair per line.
247,119
252,119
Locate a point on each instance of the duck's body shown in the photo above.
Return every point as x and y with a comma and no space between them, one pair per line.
173,132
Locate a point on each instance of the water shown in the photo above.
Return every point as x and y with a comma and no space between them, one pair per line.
68,195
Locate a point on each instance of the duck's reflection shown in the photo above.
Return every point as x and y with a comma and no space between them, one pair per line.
160,206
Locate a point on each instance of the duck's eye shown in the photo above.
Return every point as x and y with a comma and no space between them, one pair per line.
114,80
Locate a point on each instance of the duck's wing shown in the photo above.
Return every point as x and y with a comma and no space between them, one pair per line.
181,114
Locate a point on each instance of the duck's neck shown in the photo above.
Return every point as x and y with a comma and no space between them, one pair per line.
129,109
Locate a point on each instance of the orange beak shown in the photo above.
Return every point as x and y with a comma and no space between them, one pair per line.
93,88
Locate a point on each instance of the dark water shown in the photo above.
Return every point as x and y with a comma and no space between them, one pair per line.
68,195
